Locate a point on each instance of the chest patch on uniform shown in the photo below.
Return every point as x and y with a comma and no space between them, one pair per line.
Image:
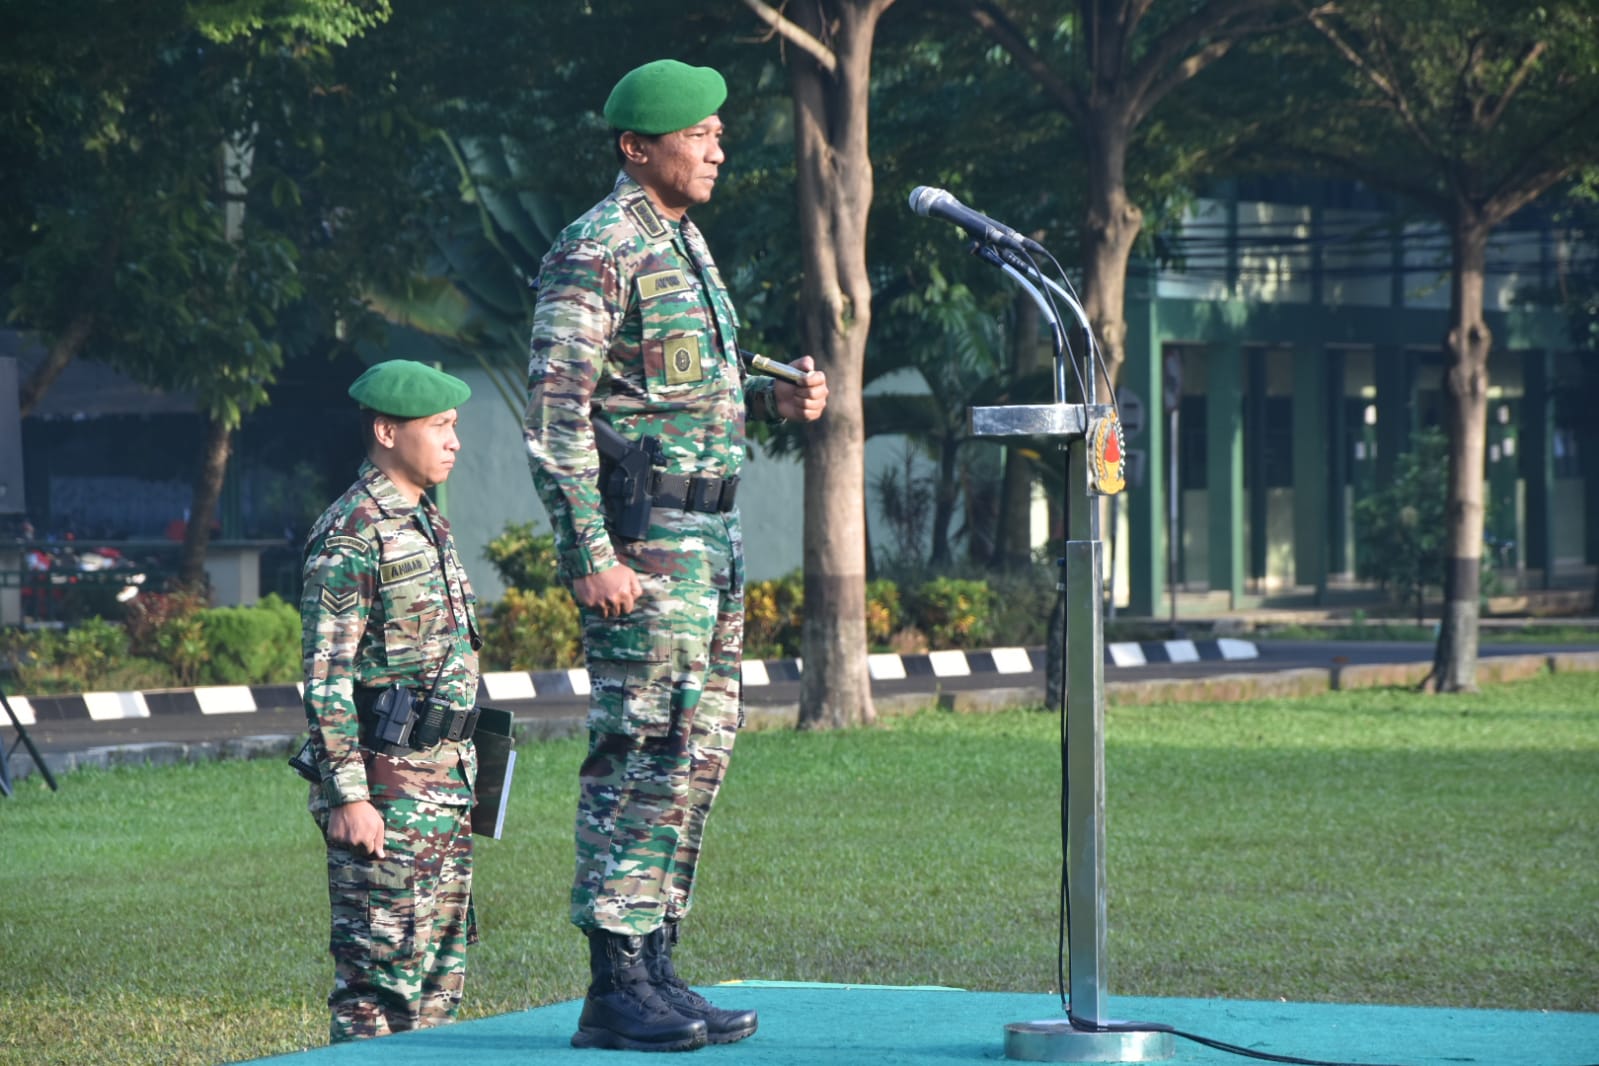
660,283
683,361
402,568
649,222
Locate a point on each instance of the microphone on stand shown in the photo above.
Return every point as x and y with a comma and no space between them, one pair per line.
938,203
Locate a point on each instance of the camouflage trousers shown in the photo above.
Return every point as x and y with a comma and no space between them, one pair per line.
401,924
665,706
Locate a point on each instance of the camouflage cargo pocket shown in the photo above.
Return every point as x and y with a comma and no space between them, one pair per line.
375,906
631,697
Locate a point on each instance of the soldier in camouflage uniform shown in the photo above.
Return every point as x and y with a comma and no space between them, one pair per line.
635,328
387,603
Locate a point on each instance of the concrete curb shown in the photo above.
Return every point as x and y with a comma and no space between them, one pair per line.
530,685
1221,688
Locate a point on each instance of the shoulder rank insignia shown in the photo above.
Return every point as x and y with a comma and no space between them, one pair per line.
644,216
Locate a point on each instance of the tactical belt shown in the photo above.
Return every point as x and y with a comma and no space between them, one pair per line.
679,493
432,724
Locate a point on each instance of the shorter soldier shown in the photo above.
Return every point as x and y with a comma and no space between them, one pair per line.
391,675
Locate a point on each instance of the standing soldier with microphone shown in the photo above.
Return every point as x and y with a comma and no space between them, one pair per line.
635,331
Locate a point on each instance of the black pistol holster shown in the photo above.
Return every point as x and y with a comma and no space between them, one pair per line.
402,721
625,480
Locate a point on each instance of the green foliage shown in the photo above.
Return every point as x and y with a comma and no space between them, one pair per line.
533,631
952,612
165,627
523,559
250,645
774,613
1403,527
882,611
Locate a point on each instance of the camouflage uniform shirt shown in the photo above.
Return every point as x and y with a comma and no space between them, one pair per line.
633,321
386,601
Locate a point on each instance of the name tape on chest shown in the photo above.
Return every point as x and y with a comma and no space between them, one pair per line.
661,283
403,568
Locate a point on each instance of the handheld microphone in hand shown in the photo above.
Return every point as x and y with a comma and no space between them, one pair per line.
772,368
938,203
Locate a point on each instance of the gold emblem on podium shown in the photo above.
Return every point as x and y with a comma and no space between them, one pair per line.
1107,455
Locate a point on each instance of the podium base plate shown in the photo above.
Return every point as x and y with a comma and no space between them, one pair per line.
1057,1041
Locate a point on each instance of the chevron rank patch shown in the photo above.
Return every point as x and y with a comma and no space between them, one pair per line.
338,602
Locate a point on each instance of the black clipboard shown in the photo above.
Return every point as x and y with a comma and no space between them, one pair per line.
496,763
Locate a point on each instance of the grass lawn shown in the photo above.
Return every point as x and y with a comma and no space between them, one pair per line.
1367,846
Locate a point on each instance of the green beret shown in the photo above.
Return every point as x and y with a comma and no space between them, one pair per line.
664,96
404,388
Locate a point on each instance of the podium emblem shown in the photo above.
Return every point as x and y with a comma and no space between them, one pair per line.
1108,455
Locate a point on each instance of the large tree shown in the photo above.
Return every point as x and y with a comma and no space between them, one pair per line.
830,70
172,206
1473,110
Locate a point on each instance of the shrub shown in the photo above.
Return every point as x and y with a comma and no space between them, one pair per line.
774,614
524,560
1021,606
165,626
250,645
533,630
954,613
882,611
81,659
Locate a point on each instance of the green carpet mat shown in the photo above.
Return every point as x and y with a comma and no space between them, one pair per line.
840,1025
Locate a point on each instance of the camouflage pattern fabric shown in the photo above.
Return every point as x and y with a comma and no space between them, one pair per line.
401,924
386,601
634,323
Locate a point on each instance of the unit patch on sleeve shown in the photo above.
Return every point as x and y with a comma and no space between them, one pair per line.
341,542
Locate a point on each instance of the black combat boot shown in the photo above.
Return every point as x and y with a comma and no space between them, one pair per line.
623,1010
721,1026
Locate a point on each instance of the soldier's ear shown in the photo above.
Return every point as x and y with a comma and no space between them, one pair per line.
634,148
383,430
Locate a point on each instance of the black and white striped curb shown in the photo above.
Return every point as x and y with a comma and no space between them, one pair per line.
546,684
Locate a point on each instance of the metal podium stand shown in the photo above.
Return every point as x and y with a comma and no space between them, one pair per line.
1091,434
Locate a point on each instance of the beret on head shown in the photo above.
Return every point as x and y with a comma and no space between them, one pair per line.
404,388
664,96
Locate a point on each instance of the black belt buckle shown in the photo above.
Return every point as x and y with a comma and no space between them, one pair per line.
463,725
704,494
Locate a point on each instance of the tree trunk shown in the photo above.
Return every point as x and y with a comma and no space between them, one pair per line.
207,490
65,349
1466,407
1109,231
834,185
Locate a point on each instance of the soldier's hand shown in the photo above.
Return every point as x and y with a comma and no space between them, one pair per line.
611,591
803,403
357,826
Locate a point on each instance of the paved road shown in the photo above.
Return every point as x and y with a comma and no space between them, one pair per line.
57,736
